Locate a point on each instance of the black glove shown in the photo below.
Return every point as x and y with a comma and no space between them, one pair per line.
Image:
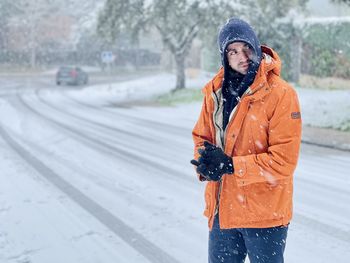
213,163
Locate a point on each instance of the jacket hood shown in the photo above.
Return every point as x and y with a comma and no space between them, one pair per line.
270,64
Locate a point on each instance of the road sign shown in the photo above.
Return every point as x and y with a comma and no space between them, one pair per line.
107,57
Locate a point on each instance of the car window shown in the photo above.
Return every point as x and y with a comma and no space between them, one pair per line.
65,69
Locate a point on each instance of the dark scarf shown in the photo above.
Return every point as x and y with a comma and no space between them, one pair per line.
234,86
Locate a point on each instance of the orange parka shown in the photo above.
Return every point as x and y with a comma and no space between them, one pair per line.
263,137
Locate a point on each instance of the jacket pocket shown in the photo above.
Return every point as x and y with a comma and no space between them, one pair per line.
269,201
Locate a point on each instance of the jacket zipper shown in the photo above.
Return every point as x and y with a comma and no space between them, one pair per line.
218,126
223,141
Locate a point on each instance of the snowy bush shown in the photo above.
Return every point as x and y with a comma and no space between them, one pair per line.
326,47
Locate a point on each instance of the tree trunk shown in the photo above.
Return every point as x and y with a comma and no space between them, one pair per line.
32,45
32,57
296,58
180,71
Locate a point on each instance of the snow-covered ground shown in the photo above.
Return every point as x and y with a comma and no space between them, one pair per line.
325,108
83,180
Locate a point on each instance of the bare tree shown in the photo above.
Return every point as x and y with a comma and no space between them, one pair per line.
29,14
177,21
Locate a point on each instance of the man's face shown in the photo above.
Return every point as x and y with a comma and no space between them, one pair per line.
238,56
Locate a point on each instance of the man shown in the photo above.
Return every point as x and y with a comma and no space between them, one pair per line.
247,141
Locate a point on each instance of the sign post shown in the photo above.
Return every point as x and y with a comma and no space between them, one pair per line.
108,57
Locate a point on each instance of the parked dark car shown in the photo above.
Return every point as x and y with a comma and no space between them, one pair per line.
71,75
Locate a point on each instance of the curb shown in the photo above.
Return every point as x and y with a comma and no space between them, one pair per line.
344,148
327,138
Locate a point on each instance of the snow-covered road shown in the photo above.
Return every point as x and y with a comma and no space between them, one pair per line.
86,181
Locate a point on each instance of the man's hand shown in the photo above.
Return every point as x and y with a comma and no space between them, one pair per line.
213,163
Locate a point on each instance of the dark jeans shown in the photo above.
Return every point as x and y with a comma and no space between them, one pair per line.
262,245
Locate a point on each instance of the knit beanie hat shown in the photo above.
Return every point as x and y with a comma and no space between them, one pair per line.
237,30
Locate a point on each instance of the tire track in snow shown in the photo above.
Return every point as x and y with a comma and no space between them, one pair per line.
126,233
176,130
128,133
145,205
121,153
149,136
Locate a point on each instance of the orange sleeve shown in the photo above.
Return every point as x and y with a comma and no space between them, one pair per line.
280,160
